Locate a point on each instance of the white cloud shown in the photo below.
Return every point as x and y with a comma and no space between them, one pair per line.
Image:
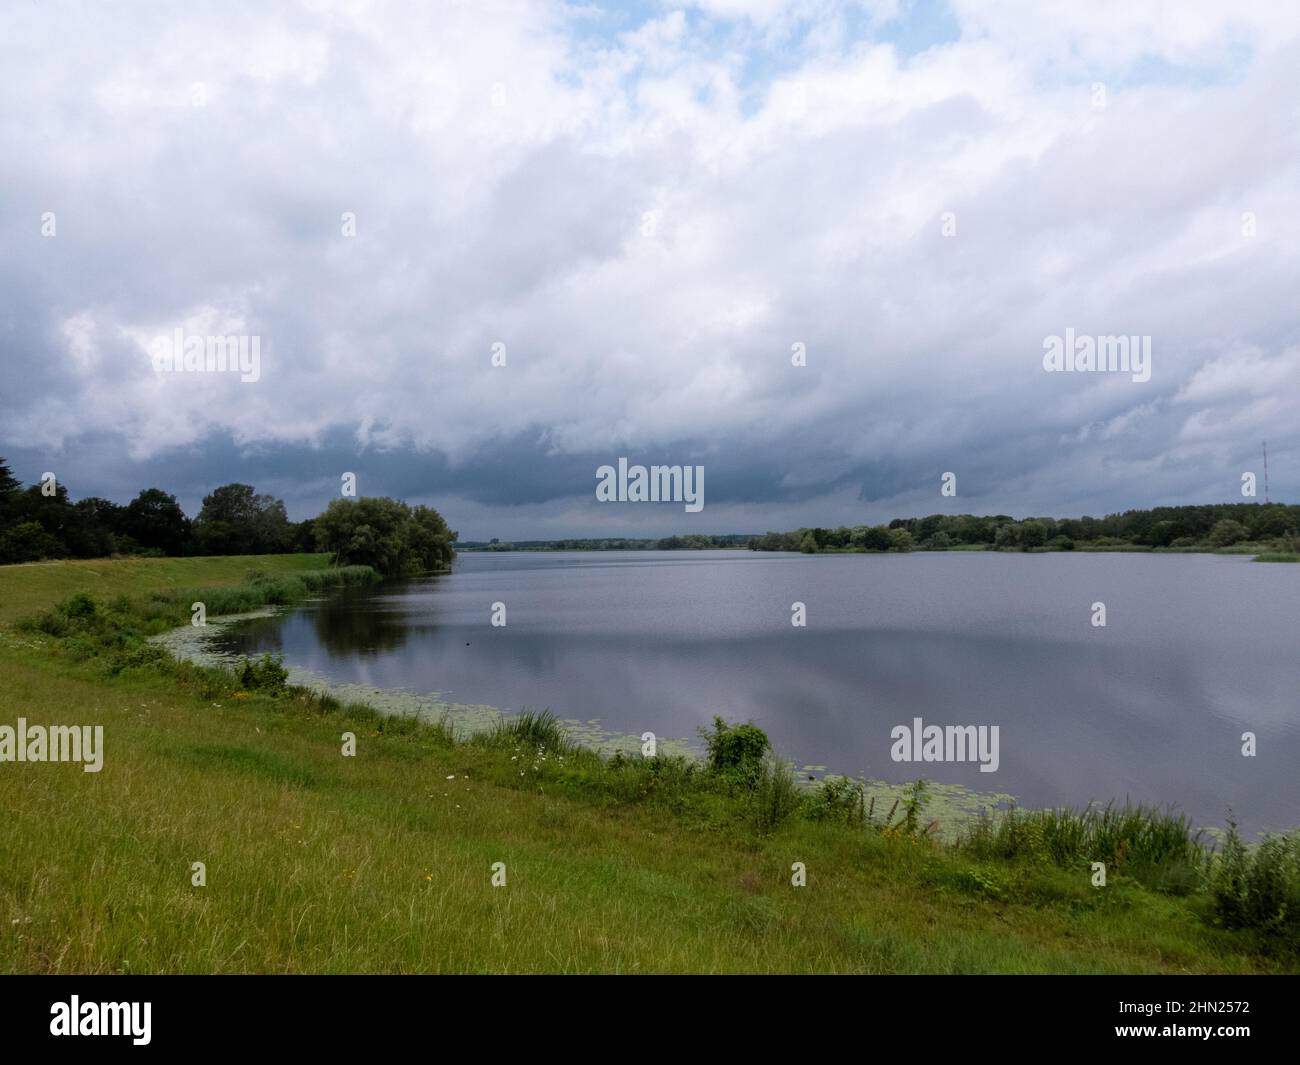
501,168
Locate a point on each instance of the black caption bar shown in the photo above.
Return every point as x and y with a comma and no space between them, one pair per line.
144,1014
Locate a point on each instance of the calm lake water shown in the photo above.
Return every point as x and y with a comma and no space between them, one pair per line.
1197,650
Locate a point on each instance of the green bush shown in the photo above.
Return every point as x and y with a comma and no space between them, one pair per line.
77,606
266,675
839,800
736,752
1258,887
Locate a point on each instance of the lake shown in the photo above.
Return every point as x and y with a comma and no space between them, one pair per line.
1196,650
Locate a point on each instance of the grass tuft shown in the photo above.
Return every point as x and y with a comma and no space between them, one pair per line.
541,730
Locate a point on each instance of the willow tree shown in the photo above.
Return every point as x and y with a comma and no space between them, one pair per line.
386,534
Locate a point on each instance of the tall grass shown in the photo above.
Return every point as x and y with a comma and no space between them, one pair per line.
124,617
260,590
541,730
774,797
1156,847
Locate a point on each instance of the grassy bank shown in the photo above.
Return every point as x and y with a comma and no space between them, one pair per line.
383,861
33,586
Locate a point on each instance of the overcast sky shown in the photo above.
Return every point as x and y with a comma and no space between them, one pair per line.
648,205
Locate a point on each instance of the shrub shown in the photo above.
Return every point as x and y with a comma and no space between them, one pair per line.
77,606
265,675
76,614
838,800
1258,887
736,752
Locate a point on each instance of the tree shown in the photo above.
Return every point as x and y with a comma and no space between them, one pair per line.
10,486
900,540
925,528
1228,532
304,536
940,541
88,528
809,543
386,534
235,520
1271,519
103,512
877,538
27,541
155,521
431,538
1033,534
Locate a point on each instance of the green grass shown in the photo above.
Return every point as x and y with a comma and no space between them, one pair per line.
382,862
33,586
542,730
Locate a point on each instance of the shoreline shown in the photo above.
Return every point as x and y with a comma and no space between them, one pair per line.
954,806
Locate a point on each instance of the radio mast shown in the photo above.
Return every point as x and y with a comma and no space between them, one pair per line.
1265,471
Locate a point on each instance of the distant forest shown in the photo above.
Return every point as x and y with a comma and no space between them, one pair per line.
1210,527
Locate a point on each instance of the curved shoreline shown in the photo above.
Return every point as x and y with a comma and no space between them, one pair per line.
952,805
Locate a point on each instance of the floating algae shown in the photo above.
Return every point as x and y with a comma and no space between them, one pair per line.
197,644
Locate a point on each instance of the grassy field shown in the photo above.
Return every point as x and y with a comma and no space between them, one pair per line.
382,862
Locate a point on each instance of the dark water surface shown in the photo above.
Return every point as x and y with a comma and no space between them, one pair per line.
1197,650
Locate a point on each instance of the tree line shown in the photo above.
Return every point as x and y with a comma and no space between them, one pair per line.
1214,525
42,522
